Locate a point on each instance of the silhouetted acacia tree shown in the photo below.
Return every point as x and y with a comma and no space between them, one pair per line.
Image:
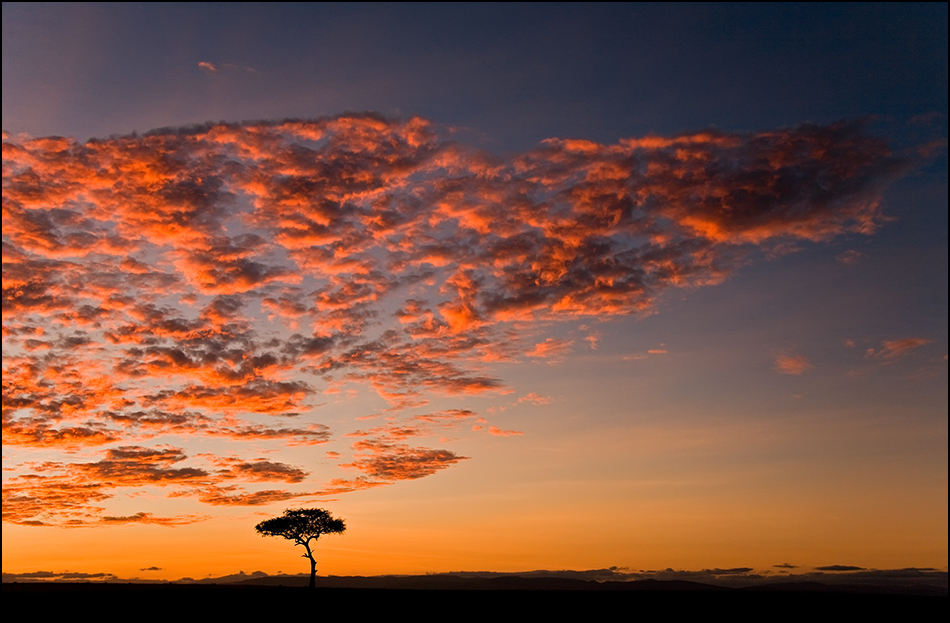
302,525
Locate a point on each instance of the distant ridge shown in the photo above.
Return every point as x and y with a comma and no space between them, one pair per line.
504,583
922,582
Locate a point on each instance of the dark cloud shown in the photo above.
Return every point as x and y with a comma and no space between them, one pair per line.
257,396
731,571
382,461
235,496
257,471
148,518
839,568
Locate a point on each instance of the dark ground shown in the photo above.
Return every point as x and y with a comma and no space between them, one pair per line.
627,600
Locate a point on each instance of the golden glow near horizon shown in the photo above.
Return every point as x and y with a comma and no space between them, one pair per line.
205,326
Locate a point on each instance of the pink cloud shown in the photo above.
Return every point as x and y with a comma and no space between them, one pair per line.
850,257
535,399
792,364
894,349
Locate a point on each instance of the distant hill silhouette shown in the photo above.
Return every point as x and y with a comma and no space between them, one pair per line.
893,582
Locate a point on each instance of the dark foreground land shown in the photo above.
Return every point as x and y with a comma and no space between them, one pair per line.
624,600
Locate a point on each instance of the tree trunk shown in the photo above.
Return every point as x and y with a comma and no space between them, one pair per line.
313,565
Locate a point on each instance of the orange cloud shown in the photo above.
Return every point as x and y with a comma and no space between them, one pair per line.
550,348
494,430
72,494
149,281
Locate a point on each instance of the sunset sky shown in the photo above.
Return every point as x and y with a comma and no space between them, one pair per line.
505,287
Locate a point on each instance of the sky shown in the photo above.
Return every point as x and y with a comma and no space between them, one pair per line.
506,287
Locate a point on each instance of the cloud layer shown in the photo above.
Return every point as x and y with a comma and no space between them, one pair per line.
208,282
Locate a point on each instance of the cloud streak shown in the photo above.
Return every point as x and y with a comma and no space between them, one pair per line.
895,349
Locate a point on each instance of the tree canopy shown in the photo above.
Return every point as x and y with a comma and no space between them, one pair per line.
303,525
